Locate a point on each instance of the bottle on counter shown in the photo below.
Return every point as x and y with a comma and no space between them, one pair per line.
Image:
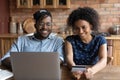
13,26
20,28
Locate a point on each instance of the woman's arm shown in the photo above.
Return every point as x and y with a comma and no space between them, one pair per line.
69,54
69,60
100,64
102,59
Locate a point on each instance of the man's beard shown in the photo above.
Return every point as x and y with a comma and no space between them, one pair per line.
40,35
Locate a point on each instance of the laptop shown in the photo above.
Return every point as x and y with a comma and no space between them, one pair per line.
35,65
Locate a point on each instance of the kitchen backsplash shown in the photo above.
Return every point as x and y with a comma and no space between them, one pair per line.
109,11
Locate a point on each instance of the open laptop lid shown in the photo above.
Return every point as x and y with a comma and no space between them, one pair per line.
35,65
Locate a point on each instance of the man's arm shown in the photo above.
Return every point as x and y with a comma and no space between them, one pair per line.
60,49
5,61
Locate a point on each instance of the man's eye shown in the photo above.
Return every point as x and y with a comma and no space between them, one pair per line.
41,24
48,24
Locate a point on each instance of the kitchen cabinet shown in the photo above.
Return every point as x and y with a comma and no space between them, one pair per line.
49,3
6,40
63,3
114,49
23,3
36,4
43,3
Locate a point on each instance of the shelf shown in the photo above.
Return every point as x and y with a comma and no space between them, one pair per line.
43,3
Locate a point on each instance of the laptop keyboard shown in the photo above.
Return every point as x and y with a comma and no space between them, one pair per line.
5,74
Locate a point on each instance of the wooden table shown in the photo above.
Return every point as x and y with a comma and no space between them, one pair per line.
108,73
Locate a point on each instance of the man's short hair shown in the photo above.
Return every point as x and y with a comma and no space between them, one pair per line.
41,13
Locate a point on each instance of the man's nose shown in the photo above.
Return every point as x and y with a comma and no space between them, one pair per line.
44,26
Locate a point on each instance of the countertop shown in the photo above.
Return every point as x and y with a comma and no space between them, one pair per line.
113,37
16,35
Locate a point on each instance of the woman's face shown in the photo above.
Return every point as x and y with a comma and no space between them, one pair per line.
44,27
83,29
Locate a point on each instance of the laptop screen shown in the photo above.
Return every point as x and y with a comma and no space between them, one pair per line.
35,65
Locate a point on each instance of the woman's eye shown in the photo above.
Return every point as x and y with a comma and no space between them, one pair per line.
75,27
83,27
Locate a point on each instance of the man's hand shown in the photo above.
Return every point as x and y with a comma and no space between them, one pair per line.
6,63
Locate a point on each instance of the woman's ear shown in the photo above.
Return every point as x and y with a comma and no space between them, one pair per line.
35,25
91,27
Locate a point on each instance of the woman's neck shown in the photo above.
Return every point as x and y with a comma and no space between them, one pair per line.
88,39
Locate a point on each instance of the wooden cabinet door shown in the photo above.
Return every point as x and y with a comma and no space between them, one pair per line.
116,52
49,4
116,57
5,44
23,3
36,3
63,3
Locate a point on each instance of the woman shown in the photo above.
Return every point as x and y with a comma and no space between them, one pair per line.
84,48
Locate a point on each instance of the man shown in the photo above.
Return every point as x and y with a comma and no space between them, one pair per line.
41,41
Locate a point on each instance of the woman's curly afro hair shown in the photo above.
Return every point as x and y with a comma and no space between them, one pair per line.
85,13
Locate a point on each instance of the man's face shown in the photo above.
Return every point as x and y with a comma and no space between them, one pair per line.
44,27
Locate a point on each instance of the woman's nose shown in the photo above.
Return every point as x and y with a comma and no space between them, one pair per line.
80,30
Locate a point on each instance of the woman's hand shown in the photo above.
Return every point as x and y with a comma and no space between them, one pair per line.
88,73
77,75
